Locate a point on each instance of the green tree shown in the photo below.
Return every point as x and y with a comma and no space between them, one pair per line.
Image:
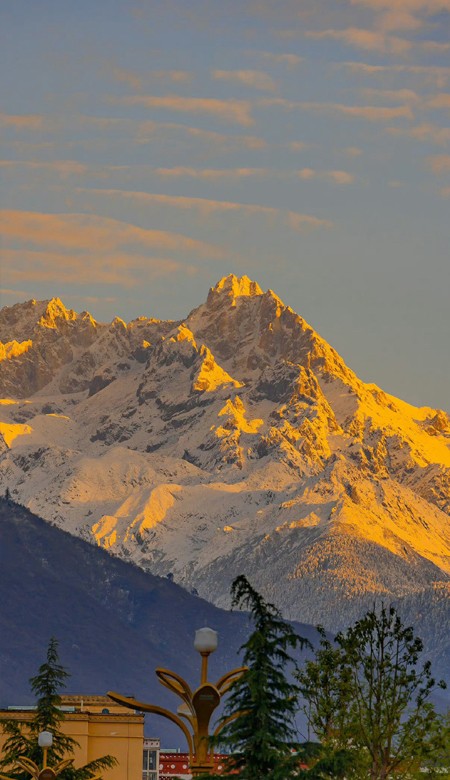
258,723
22,736
366,696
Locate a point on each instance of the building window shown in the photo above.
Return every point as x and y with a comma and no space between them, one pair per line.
149,771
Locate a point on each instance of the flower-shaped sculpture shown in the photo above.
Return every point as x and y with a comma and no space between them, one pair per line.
194,714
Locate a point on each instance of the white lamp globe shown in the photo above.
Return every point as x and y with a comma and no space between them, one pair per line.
45,739
205,640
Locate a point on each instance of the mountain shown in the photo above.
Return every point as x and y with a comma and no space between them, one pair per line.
115,623
234,440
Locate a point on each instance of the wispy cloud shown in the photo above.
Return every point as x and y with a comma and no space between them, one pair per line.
206,206
369,113
63,168
213,173
426,132
249,78
445,192
368,40
439,163
22,121
432,74
291,60
90,232
115,268
231,111
337,177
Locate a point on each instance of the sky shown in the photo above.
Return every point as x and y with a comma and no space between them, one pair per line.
150,147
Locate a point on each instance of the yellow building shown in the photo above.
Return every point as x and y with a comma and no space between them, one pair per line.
100,727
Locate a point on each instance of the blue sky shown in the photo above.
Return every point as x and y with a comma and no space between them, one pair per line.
149,148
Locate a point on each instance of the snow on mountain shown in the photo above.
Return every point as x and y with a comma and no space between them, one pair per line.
236,440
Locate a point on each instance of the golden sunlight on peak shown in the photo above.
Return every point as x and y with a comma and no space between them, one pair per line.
14,349
11,431
55,310
211,376
236,286
184,334
237,419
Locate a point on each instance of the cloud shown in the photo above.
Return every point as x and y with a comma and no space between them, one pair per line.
433,74
369,40
403,14
22,121
338,177
91,233
128,77
369,113
445,192
212,173
232,111
206,206
291,60
439,163
424,132
63,168
395,95
249,78
439,101
112,268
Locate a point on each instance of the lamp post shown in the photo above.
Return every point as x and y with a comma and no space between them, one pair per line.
197,706
45,741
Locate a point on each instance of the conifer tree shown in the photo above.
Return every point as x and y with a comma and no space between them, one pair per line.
258,723
22,736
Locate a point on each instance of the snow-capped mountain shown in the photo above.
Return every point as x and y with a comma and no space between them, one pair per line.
236,440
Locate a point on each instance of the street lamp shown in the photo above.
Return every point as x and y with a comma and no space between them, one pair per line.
45,741
197,707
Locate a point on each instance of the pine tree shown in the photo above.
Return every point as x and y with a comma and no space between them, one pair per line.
22,738
258,723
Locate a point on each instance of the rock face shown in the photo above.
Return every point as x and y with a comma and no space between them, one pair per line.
234,441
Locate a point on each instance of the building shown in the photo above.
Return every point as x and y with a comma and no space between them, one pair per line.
173,764
101,727
151,760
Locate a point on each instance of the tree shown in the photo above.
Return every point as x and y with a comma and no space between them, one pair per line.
258,722
366,695
22,738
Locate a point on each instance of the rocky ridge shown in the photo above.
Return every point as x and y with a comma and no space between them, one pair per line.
234,440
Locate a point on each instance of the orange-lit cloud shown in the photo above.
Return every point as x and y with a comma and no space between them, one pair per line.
439,163
22,121
212,173
369,40
424,132
95,267
291,60
63,168
206,206
445,192
128,77
338,177
231,111
439,101
407,15
369,113
433,74
249,78
88,232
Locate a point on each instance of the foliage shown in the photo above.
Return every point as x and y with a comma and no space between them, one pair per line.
22,739
367,699
257,725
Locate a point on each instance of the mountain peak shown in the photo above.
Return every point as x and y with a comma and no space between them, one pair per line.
235,286
54,311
